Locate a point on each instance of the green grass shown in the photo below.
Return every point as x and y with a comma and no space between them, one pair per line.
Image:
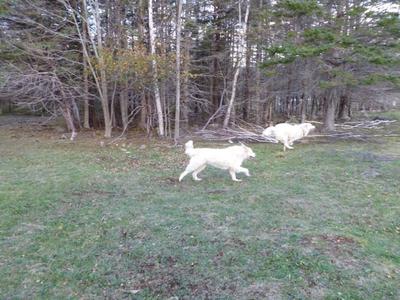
81,221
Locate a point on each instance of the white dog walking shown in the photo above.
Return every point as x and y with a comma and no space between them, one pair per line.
230,158
288,133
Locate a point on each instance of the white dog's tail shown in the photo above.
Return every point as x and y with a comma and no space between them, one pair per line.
189,148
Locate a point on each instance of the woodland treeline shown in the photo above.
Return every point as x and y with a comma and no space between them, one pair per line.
166,66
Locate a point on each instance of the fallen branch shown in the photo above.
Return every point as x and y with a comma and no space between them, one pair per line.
350,135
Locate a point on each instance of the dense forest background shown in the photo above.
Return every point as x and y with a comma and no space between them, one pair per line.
171,65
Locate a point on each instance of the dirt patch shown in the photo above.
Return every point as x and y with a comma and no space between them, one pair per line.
298,203
29,228
316,292
262,290
371,157
370,173
217,191
169,180
332,240
339,249
166,275
92,193
12,121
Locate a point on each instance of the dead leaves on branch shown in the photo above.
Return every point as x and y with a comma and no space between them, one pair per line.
134,65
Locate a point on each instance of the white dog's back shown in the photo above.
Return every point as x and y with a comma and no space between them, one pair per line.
293,132
226,158
288,133
220,158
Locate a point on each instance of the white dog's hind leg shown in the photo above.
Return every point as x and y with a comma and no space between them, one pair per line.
195,173
233,175
286,145
243,170
193,165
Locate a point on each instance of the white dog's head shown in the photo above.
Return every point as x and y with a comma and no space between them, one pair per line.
307,127
269,131
247,150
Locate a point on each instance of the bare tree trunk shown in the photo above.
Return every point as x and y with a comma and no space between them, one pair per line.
143,99
247,109
101,83
314,107
268,111
103,77
85,70
163,52
160,116
258,88
217,45
344,108
123,102
178,70
349,108
242,37
121,36
304,100
143,111
185,82
66,112
330,108
85,95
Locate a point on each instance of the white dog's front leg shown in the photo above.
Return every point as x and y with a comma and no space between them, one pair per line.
195,173
233,175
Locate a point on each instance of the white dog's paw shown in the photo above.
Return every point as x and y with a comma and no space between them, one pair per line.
197,179
237,180
248,174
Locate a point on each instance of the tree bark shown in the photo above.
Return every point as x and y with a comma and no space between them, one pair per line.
160,117
123,103
103,76
242,37
143,124
258,88
304,101
314,108
178,71
85,69
329,117
247,108
184,123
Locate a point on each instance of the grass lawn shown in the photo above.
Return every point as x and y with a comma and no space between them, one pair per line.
81,221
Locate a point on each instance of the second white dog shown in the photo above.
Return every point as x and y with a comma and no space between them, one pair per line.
288,133
230,158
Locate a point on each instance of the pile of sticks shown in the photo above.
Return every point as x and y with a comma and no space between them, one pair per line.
373,124
248,133
253,133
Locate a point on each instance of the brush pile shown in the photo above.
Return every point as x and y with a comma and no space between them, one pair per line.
369,124
245,133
